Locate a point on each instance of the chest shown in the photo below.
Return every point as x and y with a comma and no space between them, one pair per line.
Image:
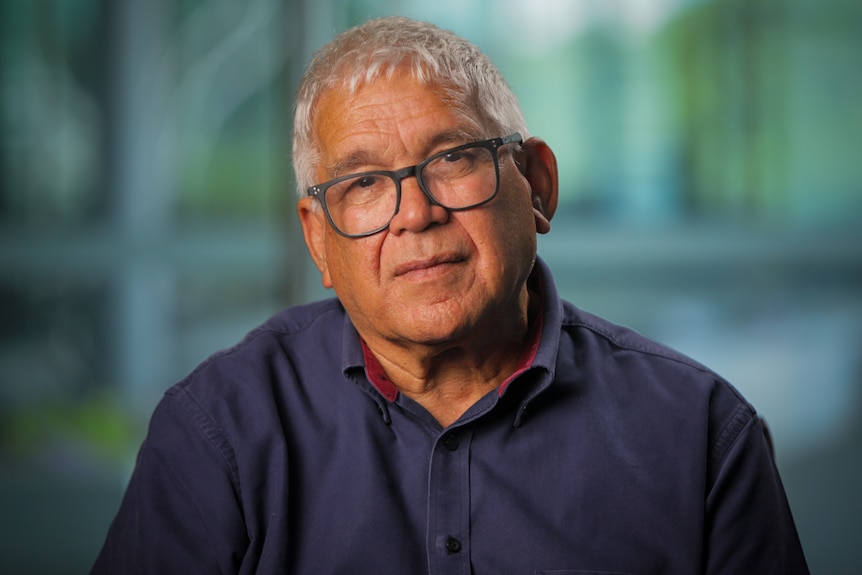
559,493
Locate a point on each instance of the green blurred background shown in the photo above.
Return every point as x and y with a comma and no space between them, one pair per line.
711,162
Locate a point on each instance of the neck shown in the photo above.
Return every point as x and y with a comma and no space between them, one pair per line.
448,378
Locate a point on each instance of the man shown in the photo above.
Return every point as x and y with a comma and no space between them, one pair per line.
447,413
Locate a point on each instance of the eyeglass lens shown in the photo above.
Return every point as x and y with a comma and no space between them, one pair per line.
456,180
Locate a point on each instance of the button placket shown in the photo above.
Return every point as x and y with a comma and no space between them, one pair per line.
449,504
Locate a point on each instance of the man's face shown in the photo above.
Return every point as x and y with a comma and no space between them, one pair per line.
432,277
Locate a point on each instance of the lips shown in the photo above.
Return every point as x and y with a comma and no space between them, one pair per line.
427,264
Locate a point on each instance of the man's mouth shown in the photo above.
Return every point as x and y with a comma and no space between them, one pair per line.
427,265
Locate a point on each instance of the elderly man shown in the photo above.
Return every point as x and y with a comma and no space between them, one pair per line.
447,412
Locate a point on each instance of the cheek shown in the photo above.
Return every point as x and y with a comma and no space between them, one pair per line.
516,229
353,263
516,210
506,246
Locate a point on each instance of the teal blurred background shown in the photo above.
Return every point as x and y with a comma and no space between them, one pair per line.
711,163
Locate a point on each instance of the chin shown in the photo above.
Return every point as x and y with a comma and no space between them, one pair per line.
437,329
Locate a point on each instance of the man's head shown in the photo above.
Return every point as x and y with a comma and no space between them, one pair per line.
388,95
377,49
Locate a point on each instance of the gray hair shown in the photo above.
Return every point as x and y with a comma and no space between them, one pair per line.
433,56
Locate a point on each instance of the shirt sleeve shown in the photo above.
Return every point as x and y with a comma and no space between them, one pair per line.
181,511
750,528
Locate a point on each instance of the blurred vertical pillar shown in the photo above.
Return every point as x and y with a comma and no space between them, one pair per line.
140,197
321,20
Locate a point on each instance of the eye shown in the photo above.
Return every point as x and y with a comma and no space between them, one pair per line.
457,164
365,182
467,155
363,190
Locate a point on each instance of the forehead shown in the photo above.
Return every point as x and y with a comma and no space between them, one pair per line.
389,111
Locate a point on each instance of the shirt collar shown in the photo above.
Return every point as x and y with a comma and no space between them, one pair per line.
552,318
377,376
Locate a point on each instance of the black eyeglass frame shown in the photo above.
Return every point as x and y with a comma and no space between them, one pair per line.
494,144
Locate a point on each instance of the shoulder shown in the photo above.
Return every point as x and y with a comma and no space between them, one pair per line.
309,330
297,347
610,341
584,325
320,319
653,383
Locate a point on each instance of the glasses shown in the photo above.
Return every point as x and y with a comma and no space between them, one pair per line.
457,179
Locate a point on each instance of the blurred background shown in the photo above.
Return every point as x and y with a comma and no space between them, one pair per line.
711,165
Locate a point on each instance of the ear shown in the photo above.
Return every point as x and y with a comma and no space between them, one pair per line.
314,226
539,166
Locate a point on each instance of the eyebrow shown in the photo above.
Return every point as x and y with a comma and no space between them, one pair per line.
350,163
356,160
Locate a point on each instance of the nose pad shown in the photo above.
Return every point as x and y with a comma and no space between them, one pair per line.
416,211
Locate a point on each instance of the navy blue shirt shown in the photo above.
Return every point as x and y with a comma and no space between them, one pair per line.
608,454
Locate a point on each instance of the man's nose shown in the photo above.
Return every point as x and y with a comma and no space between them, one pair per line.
416,211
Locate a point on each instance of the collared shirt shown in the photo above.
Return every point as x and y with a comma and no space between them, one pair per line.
607,453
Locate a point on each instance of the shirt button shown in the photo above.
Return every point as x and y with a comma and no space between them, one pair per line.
453,545
451,442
